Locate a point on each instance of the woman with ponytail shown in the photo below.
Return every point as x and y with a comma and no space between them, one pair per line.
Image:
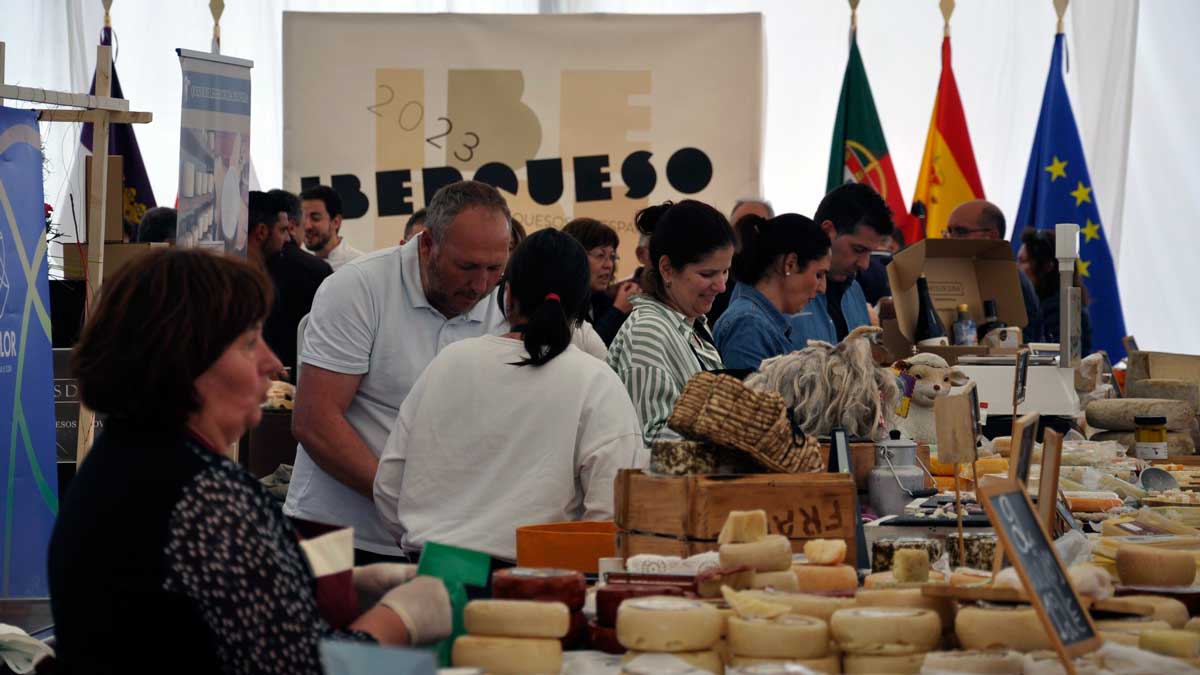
780,266
516,429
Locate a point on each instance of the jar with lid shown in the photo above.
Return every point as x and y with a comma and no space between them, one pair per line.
1150,437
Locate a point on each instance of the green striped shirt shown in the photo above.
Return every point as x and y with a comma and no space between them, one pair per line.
655,353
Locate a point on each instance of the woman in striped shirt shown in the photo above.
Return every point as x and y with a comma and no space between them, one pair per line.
665,341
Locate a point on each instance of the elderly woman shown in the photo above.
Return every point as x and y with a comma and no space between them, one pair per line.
780,266
167,556
607,312
665,341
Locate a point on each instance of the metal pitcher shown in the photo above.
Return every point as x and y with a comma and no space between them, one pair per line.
895,480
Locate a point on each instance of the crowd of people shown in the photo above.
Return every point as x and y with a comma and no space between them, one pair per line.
466,382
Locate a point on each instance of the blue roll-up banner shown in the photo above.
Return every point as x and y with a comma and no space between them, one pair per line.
28,478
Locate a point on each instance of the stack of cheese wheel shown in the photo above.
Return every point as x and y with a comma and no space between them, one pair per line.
824,571
995,662
602,631
765,632
512,637
670,629
547,585
1015,627
910,598
885,639
744,542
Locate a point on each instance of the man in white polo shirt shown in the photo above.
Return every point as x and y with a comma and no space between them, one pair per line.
374,326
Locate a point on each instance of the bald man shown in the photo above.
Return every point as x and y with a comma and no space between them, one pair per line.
741,209
981,219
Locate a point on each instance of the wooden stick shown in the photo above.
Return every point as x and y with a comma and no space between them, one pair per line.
93,116
34,95
1060,6
962,542
947,7
217,7
853,15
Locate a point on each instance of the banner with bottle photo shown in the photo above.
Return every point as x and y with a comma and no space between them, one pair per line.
568,115
28,479
214,152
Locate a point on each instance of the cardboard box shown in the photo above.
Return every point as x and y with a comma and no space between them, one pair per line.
115,255
958,272
114,200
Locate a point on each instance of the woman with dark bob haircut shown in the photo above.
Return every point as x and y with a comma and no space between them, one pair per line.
162,538
665,341
610,304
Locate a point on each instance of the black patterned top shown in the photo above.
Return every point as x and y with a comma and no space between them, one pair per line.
168,557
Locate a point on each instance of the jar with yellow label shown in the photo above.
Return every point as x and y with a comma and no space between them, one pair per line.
1150,438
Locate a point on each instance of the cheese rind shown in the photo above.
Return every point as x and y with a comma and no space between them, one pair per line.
1118,414
1139,565
825,664
789,636
825,578
1175,390
507,656
1183,644
806,604
772,553
707,660
902,664
540,583
667,624
743,527
908,597
888,580
610,597
517,618
825,551
1166,609
910,565
1193,625
1131,626
985,628
998,662
780,581
886,630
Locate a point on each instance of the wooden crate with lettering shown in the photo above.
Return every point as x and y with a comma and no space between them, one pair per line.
682,515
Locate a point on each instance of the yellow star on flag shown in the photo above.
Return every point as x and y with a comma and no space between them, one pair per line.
1082,267
1082,194
1092,231
1057,169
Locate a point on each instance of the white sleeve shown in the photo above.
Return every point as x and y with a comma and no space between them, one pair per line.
341,325
610,439
589,341
389,477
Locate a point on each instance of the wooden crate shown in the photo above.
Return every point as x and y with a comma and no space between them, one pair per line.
682,515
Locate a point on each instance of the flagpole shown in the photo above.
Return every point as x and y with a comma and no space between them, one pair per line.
853,16
217,7
1060,6
947,9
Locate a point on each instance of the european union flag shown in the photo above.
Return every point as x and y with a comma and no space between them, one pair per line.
1059,190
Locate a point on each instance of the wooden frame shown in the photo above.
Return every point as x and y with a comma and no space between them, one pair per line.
1020,378
1048,481
1020,458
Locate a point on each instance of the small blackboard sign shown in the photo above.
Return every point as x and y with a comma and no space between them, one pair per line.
973,394
1049,588
1024,434
1021,379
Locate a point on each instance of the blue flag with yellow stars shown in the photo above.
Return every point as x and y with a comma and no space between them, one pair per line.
1059,190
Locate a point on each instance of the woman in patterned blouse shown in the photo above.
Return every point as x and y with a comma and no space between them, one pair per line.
167,556
665,341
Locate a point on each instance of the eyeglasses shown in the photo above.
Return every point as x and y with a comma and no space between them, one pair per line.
599,255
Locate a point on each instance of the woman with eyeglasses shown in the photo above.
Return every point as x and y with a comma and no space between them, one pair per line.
610,304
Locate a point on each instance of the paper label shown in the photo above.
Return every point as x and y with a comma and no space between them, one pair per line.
1150,450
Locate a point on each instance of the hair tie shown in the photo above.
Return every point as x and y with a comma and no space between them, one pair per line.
553,296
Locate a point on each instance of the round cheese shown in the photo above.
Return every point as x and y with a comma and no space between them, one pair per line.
1000,627
908,597
999,662
652,663
1193,624
752,665
507,656
789,636
888,580
1131,626
875,664
817,606
603,638
825,578
910,565
538,583
517,618
610,597
1139,565
1170,610
825,551
886,630
1182,644
769,554
667,624
780,581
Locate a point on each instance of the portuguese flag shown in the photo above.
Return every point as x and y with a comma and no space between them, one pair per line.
859,152
948,176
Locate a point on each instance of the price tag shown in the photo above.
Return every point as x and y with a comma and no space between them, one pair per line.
956,418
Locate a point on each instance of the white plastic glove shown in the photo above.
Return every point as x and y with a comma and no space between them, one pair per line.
371,582
424,606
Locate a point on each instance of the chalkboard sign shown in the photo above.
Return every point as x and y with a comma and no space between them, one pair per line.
973,394
1021,378
1021,455
1041,571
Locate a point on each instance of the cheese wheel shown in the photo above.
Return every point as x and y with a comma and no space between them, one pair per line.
908,597
603,638
1119,414
538,583
1183,644
888,580
789,637
507,656
1193,624
875,664
805,604
1131,626
651,663
910,565
743,527
965,576
1175,390
609,597
782,581
983,466
750,606
751,665
769,554
666,624
1126,639
1139,565
886,630
1000,627
517,618
1170,610
825,578
726,613
999,662
825,551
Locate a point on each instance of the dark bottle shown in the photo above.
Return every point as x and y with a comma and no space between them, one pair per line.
991,319
930,331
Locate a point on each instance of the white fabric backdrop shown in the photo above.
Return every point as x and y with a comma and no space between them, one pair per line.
1001,55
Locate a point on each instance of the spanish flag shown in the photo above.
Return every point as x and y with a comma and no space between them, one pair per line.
948,176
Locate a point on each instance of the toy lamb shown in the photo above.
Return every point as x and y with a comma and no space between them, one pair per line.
933,378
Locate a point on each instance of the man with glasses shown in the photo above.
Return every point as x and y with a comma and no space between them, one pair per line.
981,219
856,219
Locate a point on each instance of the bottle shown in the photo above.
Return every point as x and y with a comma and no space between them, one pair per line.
964,328
991,320
930,331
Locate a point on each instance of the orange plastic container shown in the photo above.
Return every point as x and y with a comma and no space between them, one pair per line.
573,545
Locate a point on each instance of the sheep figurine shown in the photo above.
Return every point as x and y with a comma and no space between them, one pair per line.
933,379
